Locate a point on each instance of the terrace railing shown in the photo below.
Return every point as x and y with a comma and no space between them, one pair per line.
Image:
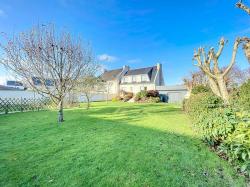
11,105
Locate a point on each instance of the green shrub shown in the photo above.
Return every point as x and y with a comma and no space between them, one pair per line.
226,128
240,98
237,145
141,94
201,103
153,100
200,89
151,96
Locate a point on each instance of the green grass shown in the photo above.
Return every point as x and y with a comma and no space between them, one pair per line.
115,144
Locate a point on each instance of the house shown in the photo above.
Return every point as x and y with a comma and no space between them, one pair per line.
15,84
133,80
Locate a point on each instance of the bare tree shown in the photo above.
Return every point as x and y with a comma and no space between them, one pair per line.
236,77
209,64
89,86
194,79
41,55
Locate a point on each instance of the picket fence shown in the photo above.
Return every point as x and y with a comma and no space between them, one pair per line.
11,105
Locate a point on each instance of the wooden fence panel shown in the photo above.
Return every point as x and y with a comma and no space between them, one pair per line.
11,105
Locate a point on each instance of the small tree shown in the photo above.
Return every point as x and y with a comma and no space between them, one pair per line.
89,86
209,64
41,55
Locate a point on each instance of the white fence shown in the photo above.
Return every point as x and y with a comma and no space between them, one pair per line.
17,94
28,94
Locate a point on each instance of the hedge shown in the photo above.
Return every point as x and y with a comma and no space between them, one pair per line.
226,128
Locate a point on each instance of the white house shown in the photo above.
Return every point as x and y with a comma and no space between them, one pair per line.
133,80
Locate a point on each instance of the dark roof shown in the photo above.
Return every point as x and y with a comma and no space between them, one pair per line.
150,71
2,87
138,71
111,75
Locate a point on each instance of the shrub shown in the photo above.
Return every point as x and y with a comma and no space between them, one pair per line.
141,94
127,96
237,144
201,103
151,96
200,89
240,98
152,93
153,100
226,128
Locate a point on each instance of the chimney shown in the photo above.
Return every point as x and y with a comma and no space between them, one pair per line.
158,66
126,68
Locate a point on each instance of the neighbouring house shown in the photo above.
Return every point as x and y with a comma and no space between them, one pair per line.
15,84
133,80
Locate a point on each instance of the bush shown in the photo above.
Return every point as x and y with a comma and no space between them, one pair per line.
152,93
141,94
200,89
151,96
237,144
201,103
153,100
226,128
240,98
127,96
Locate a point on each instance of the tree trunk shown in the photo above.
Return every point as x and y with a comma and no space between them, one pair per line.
223,89
214,87
60,112
247,51
88,102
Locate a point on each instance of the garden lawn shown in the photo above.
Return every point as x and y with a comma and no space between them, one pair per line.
114,144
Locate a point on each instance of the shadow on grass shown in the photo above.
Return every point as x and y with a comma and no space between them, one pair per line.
89,151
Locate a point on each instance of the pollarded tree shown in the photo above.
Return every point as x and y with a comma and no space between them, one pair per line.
209,64
49,62
246,45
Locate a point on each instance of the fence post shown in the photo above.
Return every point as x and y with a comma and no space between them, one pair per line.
6,109
21,104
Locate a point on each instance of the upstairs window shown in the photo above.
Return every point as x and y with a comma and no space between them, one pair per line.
134,79
144,78
125,79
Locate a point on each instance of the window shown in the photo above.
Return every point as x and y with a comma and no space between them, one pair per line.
144,78
125,79
134,79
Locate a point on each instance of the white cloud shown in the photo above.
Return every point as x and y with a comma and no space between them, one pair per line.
2,13
134,61
107,58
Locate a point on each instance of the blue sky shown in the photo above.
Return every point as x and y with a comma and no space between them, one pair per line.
137,33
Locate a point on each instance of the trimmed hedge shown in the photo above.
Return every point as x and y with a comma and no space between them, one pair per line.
225,128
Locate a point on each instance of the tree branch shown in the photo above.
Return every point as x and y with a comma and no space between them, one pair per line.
243,7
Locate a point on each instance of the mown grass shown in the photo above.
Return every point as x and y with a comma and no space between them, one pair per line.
115,144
